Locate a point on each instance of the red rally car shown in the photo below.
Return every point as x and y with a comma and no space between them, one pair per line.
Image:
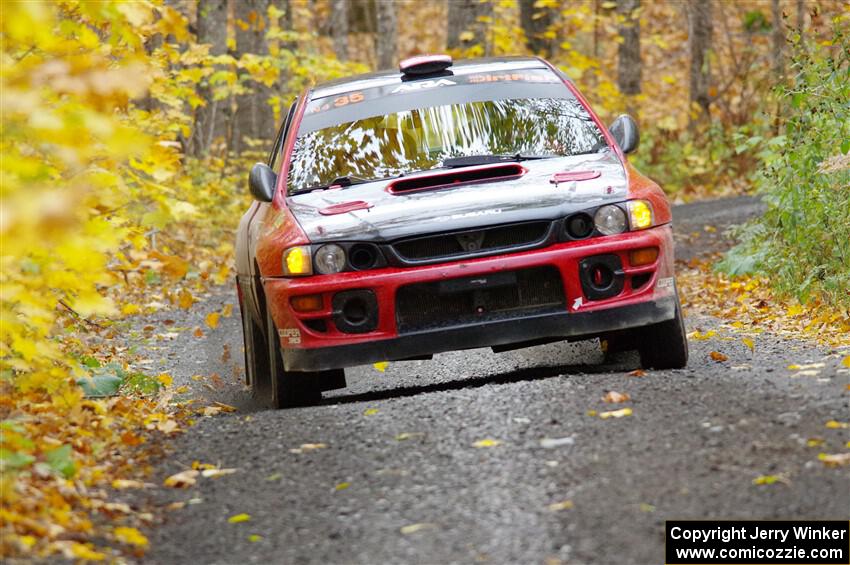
446,206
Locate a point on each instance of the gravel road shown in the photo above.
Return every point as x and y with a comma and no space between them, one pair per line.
400,479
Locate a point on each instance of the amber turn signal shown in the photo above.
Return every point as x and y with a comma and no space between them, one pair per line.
643,256
307,303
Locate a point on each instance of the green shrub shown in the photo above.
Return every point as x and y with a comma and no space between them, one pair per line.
802,242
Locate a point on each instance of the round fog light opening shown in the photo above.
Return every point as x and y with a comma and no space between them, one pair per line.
330,259
579,226
362,257
610,220
354,311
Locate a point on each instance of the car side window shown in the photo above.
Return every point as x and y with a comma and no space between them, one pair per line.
274,160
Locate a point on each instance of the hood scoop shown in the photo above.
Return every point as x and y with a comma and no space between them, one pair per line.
447,179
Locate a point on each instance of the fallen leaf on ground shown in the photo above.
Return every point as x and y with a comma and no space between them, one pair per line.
846,361
770,479
238,518
408,435
168,426
212,319
717,356
308,447
814,442
834,460
185,299
342,486
227,311
121,484
614,397
381,366
370,411
638,373
749,343
833,425
130,536
700,336
644,507
794,310
183,479
274,477
557,506
198,332
486,443
83,551
616,413
202,466
254,538
413,528
216,473
551,443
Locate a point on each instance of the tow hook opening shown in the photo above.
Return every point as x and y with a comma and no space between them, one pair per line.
601,276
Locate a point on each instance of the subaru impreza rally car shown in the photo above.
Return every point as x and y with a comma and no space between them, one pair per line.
446,206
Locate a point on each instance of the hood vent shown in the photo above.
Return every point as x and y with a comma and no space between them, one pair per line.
446,179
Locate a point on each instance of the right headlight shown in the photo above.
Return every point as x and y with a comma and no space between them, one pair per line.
610,220
330,259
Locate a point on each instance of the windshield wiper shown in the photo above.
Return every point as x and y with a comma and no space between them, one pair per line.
472,160
343,181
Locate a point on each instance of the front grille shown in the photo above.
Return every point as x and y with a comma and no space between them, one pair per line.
496,238
442,304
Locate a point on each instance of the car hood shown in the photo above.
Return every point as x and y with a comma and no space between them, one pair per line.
466,206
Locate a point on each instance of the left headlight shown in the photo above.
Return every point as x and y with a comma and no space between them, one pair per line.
330,259
640,214
297,261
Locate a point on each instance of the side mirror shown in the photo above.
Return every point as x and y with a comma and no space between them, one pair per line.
625,132
261,181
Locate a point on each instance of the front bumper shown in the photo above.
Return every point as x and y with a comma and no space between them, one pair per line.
487,334
305,349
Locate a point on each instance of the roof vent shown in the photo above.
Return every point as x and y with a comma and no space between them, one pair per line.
425,64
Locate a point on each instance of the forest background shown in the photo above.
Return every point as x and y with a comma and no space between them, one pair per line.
128,129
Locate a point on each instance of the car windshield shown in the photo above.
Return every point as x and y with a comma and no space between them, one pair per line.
418,139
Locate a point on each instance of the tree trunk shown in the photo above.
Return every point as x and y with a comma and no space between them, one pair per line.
801,16
628,61
339,28
210,119
699,42
254,116
385,42
535,23
778,35
464,29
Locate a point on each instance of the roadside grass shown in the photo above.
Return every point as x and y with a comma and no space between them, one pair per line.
752,305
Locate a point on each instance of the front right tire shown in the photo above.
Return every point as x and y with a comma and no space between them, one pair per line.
288,388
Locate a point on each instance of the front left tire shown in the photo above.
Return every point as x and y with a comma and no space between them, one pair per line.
664,345
256,356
